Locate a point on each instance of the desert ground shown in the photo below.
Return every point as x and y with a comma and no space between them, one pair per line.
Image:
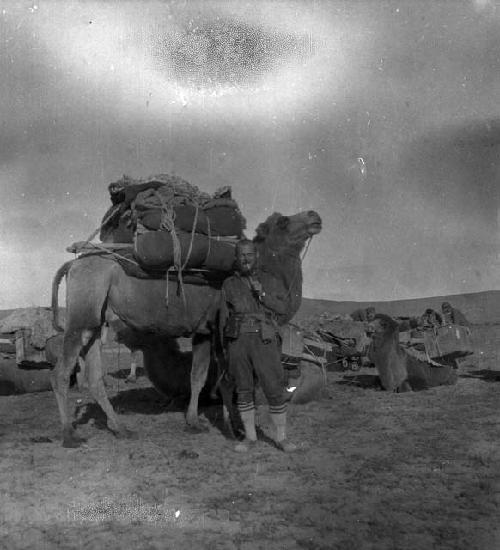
374,470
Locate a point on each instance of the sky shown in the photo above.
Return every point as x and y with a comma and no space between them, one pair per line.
384,117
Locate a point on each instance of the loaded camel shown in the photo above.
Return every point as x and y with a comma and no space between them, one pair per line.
97,284
400,371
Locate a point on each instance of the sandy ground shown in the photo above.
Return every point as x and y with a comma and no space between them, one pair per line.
374,470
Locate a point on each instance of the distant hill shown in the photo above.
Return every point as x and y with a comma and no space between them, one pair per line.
478,307
5,312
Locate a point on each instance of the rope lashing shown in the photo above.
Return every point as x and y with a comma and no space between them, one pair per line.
168,224
297,268
97,246
209,232
103,223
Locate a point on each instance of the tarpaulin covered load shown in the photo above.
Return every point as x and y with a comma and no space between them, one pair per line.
184,218
157,250
157,201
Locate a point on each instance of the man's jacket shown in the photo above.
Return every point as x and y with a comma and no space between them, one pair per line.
238,299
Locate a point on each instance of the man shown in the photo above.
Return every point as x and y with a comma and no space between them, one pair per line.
431,319
249,323
364,315
453,316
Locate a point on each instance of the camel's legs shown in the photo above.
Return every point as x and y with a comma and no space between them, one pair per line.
98,390
134,363
199,371
231,420
81,375
60,384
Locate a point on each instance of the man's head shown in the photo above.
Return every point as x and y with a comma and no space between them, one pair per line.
370,313
246,256
446,308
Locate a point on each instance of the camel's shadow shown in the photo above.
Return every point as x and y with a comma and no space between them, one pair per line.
122,374
150,402
487,375
365,381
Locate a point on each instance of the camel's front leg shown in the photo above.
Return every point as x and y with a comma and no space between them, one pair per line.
199,371
72,345
232,421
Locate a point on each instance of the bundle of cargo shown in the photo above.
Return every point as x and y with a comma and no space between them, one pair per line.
29,330
29,348
340,340
448,342
171,223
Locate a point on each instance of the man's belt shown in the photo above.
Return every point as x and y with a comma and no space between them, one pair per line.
249,325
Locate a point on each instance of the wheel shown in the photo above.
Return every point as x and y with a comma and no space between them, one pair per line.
355,366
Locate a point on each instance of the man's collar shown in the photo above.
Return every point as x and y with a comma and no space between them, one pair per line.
240,275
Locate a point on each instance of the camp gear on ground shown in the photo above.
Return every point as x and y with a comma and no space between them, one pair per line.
450,341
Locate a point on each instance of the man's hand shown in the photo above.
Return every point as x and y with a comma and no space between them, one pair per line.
257,286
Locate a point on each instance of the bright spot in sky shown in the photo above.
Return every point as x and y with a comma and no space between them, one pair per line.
246,63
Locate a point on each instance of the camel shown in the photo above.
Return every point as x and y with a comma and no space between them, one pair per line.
399,370
97,284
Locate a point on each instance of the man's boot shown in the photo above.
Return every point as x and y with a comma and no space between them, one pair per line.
279,421
247,413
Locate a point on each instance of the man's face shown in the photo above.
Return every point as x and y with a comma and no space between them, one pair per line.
370,315
246,258
446,309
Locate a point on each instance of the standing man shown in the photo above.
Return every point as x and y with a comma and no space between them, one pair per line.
453,316
431,319
249,323
364,315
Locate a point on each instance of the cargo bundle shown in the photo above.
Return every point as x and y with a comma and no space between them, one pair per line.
171,225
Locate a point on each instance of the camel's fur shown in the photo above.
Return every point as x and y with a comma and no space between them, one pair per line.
97,284
387,355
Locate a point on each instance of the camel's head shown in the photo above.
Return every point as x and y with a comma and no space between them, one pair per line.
383,324
383,328
280,231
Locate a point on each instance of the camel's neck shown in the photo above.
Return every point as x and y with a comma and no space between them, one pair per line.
286,265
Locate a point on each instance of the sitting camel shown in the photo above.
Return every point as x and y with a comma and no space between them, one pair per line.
97,283
398,370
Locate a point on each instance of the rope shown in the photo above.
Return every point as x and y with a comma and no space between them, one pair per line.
297,268
209,231
110,252
167,285
104,222
188,255
168,224
306,248
193,230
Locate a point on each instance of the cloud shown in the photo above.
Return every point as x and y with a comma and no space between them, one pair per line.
216,59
